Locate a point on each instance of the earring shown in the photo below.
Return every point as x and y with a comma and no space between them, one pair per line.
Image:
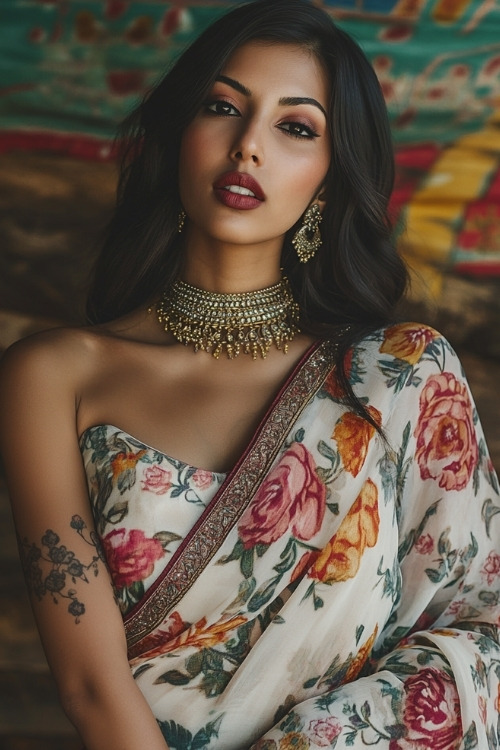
181,220
307,240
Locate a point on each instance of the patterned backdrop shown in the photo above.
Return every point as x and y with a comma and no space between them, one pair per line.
70,70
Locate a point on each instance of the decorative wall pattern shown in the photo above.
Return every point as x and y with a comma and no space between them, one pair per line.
71,69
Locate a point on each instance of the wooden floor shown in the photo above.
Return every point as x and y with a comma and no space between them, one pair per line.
48,222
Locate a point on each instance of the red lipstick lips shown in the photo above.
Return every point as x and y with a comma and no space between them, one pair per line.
238,190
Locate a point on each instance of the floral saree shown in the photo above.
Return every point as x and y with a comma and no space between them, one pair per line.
339,588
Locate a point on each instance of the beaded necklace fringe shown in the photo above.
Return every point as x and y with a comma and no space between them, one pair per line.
246,322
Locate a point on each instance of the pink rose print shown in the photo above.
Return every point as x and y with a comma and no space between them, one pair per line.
491,569
202,479
130,555
431,712
446,444
456,607
291,499
424,544
157,480
324,731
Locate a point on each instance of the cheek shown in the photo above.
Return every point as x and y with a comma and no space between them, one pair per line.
305,179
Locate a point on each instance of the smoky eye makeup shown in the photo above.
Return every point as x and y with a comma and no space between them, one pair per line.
299,129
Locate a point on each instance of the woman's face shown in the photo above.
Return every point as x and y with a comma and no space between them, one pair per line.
257,153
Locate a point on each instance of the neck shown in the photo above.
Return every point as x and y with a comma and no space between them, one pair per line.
229,269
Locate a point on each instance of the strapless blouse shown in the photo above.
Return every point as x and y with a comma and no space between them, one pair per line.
144,503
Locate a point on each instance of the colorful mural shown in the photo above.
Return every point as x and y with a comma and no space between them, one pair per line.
71,69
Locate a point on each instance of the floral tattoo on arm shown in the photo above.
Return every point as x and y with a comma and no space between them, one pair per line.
50,570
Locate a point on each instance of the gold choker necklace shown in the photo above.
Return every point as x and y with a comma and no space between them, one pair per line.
248,322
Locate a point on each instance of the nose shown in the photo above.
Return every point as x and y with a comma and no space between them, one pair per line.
247,146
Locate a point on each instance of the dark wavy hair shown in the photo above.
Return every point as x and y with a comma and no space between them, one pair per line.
355,281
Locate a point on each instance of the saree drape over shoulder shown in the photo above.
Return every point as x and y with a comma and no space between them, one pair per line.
336,589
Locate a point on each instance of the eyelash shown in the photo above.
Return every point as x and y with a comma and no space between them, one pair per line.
308,133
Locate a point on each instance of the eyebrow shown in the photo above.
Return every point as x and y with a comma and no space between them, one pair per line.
286,101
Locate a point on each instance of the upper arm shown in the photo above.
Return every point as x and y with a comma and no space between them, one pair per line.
69,585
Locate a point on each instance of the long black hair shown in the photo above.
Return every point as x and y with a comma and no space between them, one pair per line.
355,281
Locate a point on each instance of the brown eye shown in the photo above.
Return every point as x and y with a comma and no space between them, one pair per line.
298,130
222,108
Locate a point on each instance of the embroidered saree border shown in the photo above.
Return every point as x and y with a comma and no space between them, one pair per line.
233,497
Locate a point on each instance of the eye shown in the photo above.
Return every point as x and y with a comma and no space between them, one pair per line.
221,107
298,130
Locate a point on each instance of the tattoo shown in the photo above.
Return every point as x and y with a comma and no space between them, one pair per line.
50,569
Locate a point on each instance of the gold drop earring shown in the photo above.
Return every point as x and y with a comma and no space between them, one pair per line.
307,240
181,219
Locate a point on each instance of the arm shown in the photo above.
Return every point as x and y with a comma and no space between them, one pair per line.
72,597
434,677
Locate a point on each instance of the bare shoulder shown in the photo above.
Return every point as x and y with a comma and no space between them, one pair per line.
58,355
42,379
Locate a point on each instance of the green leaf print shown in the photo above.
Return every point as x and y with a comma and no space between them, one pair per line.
179,738
413,535
203,736
173,677
470,738
165,537
176,736
117,512
446,562
246,563
194,663
359,633
214,682
489,510
236,554
398,373
263,594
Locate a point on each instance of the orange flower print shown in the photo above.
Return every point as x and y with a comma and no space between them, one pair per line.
359,660
294,741
341,558
407,341
200,636
168,629
332,385
125,461
353,435
446,444
303,564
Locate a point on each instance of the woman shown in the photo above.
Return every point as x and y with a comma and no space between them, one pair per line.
303,548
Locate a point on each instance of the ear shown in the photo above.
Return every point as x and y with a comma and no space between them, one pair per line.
320,199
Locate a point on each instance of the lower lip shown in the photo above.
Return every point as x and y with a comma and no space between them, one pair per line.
236,200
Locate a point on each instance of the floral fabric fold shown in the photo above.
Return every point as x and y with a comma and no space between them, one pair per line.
353,599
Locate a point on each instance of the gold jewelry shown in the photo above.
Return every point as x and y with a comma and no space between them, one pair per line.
181,220
248,322
307,240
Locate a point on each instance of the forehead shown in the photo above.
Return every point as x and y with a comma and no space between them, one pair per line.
279,69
